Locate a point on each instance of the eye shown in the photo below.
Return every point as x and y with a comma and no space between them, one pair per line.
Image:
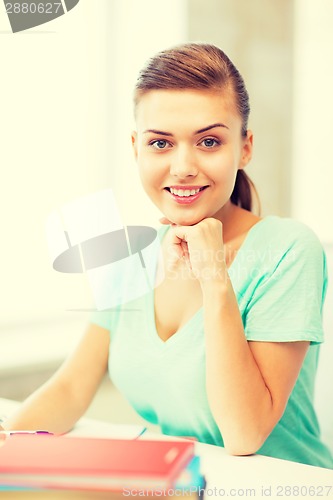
210,142
159,144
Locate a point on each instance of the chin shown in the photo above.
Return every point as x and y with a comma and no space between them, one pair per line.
186,220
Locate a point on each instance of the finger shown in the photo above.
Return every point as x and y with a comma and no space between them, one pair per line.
184,248
186,254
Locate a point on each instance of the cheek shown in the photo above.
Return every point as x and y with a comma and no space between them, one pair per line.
220,168
150,175
151,166
222,171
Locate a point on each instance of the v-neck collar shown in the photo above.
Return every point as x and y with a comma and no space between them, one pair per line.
152,330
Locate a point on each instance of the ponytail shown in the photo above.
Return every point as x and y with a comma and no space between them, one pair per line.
245,192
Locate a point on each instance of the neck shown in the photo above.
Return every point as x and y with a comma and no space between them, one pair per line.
229,216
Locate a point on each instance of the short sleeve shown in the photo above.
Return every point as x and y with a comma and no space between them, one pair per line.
286,305
101,318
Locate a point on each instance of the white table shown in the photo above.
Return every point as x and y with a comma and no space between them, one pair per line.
255,476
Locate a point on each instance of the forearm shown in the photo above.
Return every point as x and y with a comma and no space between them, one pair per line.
52,407
61,401
238,396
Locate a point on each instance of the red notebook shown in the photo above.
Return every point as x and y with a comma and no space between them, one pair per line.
88,463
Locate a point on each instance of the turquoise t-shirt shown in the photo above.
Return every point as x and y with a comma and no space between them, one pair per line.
279,277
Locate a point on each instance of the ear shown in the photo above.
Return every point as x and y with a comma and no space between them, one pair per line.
135,144
247,149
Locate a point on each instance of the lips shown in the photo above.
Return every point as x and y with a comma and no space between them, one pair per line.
185,191
185,195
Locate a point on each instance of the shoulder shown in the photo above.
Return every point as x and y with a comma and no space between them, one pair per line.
280,244
287,226
288,281
285,233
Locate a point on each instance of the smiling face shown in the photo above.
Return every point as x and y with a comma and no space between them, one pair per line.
188,147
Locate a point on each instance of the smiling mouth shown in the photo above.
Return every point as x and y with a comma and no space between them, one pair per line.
185,193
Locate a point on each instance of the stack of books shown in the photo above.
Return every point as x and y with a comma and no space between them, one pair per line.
121,467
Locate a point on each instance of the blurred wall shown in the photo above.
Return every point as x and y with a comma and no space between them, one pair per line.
312,180
258,38
53,149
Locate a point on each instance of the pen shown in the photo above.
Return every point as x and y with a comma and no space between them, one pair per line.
9,433
141,432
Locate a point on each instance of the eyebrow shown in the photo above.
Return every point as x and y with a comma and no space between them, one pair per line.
205,129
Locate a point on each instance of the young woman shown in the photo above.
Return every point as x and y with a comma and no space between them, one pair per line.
225,349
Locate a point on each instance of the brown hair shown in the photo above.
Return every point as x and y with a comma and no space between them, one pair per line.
201,66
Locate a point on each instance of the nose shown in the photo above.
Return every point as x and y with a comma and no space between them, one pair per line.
183,163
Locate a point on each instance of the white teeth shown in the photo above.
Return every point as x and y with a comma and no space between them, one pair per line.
184,192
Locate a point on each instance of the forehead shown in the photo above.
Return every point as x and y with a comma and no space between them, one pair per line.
166,109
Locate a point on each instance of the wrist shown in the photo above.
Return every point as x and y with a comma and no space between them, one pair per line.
217,289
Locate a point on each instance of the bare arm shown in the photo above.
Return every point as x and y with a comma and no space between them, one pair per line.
248,383
62,400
